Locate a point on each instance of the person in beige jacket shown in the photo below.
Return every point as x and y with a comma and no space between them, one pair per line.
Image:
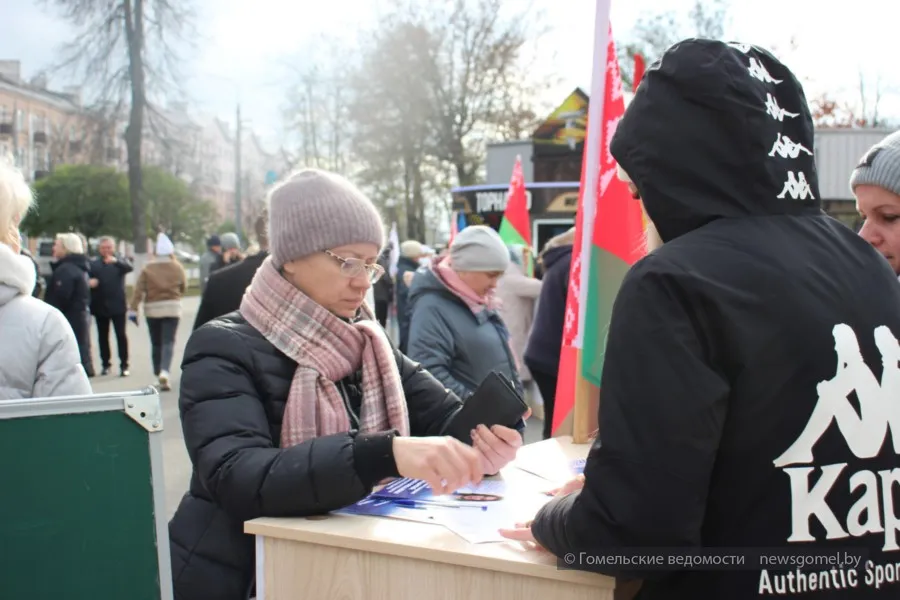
160,287
518,294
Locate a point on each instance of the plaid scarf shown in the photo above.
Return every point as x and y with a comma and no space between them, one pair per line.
326,350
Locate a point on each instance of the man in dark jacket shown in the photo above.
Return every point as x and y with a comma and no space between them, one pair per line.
38,290
408,263
225,287
383,290
108,303
751,370
545,340
70,292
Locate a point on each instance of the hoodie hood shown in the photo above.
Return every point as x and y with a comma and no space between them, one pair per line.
718,130
17,276
554,255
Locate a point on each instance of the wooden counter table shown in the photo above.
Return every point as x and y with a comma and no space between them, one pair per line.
350,557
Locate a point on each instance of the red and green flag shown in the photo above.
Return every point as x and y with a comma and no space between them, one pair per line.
515,229
608,236
617,239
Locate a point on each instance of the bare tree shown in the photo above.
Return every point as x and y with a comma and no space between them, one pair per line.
870,100
708,18
653,34
318,104
474,77
125,48
391,111
435,81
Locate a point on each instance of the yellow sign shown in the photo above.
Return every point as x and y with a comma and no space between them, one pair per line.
567,125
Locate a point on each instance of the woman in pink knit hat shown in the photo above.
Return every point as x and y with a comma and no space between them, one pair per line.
297,404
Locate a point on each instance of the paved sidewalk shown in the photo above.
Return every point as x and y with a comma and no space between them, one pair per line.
177,465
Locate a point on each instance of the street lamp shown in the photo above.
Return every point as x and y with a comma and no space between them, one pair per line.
237,150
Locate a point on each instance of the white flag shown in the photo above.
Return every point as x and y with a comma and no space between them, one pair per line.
395,249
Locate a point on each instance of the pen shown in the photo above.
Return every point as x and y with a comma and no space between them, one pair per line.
422,503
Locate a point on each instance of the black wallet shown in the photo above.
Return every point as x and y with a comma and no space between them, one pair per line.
495,402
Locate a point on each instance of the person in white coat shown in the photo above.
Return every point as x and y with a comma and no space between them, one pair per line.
38,353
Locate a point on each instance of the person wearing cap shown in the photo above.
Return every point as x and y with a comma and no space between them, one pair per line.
875,183
231,249
160,288
411,252
225,288
211,260
455,330
750,366
297,404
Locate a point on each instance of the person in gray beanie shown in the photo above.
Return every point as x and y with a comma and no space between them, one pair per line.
231,249
297,404
875,183
456,331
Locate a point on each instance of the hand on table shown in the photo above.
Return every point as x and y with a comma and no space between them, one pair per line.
522,533
496,446
445,463
573,485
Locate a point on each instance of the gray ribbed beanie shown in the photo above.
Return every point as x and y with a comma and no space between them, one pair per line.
313,210
880,166
230,241
479,248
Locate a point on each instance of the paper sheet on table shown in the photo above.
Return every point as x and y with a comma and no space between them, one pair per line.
550,463
474,513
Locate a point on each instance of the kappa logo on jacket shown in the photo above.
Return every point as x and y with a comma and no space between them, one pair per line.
879,402
785,147
796,186
865,433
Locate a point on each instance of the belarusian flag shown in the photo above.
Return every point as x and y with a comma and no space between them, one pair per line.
570,353
515,229
617,241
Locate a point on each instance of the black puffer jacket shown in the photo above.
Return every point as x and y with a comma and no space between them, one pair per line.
234,386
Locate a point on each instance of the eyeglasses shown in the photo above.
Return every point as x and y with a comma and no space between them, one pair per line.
352,267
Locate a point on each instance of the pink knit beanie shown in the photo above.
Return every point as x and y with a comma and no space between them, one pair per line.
313,210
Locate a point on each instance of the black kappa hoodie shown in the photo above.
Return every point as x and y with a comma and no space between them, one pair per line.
751,387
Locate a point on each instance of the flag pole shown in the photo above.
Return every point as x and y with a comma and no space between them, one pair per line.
584,413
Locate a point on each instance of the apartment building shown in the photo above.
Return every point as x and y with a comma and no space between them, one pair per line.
200,149
40,128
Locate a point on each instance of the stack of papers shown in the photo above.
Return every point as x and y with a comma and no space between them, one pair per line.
475,513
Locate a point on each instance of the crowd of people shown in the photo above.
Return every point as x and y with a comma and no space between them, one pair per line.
733,347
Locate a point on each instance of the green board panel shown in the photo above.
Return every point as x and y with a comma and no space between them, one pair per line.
76,509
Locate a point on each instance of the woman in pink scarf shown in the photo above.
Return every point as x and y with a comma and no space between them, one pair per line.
456,331
297,404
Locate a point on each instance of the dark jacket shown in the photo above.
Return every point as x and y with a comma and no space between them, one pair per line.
454,344
69,290
404,265
734,348
108,298
234,385
383,290
545,339
39,282
225,288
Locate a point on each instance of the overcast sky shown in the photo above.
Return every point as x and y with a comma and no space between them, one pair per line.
242,45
